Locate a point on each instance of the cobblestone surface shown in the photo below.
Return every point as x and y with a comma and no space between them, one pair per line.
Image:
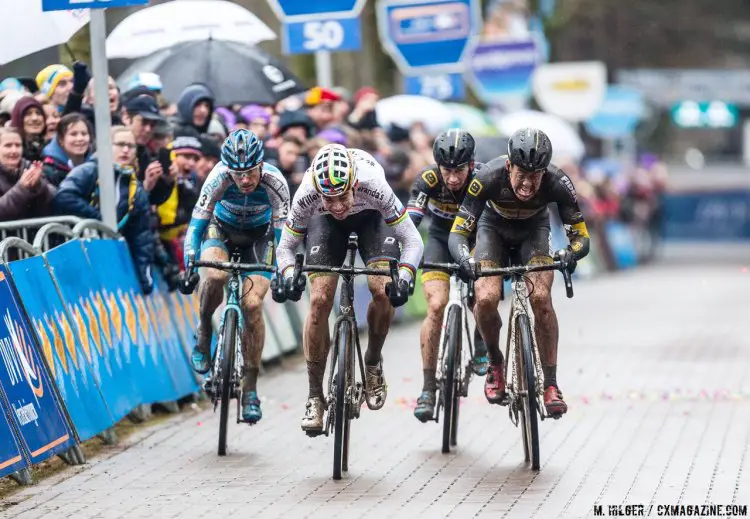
653,363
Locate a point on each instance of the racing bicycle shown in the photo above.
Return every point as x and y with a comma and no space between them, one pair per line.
524,376
345,393
223,383
454,372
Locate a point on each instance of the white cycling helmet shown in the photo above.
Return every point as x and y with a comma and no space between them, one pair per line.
333,169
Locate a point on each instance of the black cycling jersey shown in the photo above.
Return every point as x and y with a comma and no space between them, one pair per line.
491,188
429,193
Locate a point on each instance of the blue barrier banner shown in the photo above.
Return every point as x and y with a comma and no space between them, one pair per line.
25,383
181,316
130,319
707,216
621,242
176,358
82,292
65,357
11,459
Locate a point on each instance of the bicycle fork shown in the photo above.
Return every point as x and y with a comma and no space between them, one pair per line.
520,306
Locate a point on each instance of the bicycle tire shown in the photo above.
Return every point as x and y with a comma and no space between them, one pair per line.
530,424
341,416
227,369
450,380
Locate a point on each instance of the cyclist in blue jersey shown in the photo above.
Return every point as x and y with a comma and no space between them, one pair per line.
243,205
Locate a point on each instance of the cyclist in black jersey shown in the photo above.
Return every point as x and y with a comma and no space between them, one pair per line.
439,190
506,203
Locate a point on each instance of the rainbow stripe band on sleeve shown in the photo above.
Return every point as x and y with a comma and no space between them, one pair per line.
295,232
397,219
411,268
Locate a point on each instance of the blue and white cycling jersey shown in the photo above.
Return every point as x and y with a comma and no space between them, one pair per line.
221,198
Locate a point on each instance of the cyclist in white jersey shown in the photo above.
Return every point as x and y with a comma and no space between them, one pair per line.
345,191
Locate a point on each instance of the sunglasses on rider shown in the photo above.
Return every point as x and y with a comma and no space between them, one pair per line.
239,173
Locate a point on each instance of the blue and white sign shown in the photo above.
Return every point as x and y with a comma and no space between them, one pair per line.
331,35
444,87
500,71
623,107
428,35
69,5
311,26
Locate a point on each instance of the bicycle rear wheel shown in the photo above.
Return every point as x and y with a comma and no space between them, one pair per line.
451,377
341,414
527,381
227,370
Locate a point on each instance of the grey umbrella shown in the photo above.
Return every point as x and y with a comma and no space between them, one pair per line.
236,72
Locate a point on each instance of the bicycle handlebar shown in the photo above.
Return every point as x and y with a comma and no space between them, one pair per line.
300,268
509,271
230,266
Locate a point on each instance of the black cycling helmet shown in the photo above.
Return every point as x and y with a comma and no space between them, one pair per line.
453,148
530,149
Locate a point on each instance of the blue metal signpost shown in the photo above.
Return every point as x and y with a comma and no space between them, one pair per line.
428,36
320,26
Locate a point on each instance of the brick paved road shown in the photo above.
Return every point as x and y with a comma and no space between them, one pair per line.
654,365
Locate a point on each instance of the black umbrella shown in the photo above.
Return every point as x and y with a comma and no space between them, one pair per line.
237,73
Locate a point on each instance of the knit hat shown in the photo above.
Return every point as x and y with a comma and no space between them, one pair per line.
187,145
216,127
11,83
148,80
362,92
252,112
49,77
9,100
319,94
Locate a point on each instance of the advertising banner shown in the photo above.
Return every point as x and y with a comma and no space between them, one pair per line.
572,91
707,216
80,288
11,459
618,114
131,322
65,356
25,383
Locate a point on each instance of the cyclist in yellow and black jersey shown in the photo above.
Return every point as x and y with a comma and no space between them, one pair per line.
439,190
506,205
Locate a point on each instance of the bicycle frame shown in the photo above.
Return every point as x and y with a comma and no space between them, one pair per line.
457,297
519,305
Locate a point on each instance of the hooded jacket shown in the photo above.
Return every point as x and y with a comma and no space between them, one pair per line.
189,98
32,145
57,164
78,195
18,202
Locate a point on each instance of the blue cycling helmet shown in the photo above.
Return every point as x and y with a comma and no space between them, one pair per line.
242,150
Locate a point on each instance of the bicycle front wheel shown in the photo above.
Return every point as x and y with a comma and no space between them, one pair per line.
451,377
341,412
227,370
527,380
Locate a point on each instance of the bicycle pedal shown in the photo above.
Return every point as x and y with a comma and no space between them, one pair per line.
312,433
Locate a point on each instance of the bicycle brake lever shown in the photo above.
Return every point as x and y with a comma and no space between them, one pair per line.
568,282
298,261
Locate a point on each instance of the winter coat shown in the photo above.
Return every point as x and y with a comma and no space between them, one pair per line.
18,202
78,195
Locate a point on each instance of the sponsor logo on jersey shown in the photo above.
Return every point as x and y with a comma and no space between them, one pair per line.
372,193
475,187
430,178
569,185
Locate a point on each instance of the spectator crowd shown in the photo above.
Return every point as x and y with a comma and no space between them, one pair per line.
163,151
